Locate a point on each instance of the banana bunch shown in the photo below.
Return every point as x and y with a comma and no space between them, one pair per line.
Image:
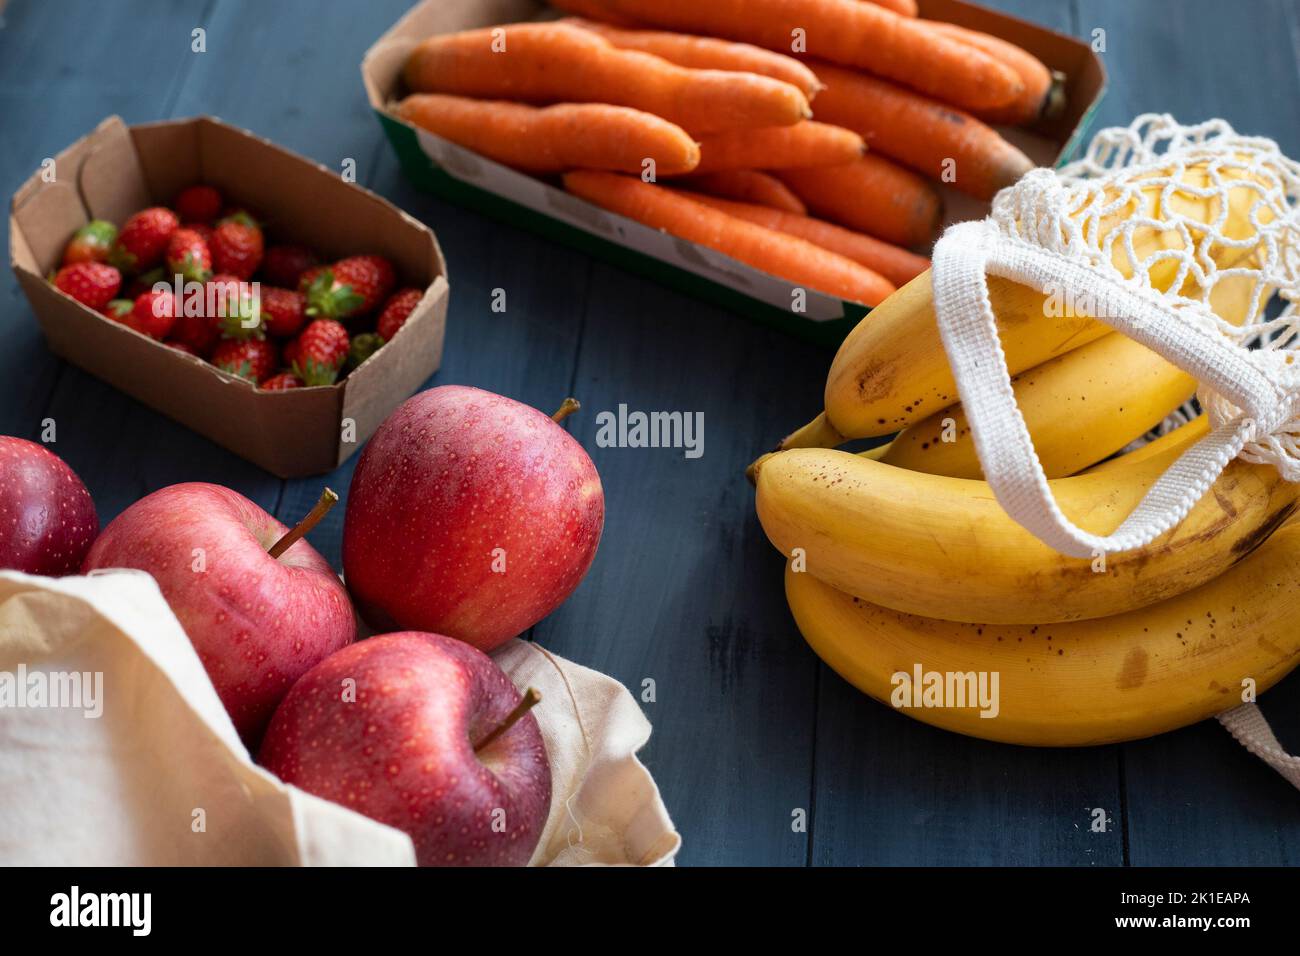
903,565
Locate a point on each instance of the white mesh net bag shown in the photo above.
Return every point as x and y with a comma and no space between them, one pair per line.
1139,234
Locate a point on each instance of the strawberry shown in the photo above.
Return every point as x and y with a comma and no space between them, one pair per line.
283,311
143,239
198,333
396,311
320,352
118,309
363,346
143,283
153,314
350,287
309,277
198,204
284,265
91,243
188,255
282,382
236,310
237,245
253,359
93,284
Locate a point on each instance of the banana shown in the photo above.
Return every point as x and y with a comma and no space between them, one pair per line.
1087,682
1079,407
892,371
1175,441
943,547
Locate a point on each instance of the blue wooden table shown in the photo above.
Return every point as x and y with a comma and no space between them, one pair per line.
749,726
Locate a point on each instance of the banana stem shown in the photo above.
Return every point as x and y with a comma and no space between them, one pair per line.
818,433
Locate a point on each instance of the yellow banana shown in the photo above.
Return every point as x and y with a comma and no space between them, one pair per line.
1175,441
892,370
1078,407
943,547
1086,682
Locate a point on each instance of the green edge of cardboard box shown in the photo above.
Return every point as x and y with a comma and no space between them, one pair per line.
441,167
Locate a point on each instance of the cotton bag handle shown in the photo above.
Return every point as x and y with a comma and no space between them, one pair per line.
1046,233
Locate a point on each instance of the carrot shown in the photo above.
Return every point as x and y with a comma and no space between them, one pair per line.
786,257
555,138
748,185
557,62
897,265
1043,96
873,196
707,53
596,10
849,32
780,147
938,141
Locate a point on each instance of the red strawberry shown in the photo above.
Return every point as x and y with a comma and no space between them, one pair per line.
143,283
352,286
237,245
188,255
236,310
91,243
284,265
153,314
198,204
198,333
397,310
283,311
143,239
203,229
91,283
282,382
253,359
320,352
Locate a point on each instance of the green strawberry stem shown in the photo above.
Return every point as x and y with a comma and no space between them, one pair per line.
328,500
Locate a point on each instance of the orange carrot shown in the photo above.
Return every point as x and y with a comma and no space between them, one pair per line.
558,62
748,185
780,147
937,140
1044,93
596,10
555,138
707,53
850,32
873,196
897,265
775,253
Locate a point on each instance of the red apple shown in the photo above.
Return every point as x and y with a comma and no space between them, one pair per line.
258,622
423,733
47,519
469,515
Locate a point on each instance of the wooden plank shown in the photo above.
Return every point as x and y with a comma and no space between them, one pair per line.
1195,797
51,92
892,791
685,590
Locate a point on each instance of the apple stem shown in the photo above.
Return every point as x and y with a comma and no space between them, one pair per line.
530,700
567,408
328,500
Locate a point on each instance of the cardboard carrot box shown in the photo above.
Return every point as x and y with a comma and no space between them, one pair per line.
117,170
452,171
